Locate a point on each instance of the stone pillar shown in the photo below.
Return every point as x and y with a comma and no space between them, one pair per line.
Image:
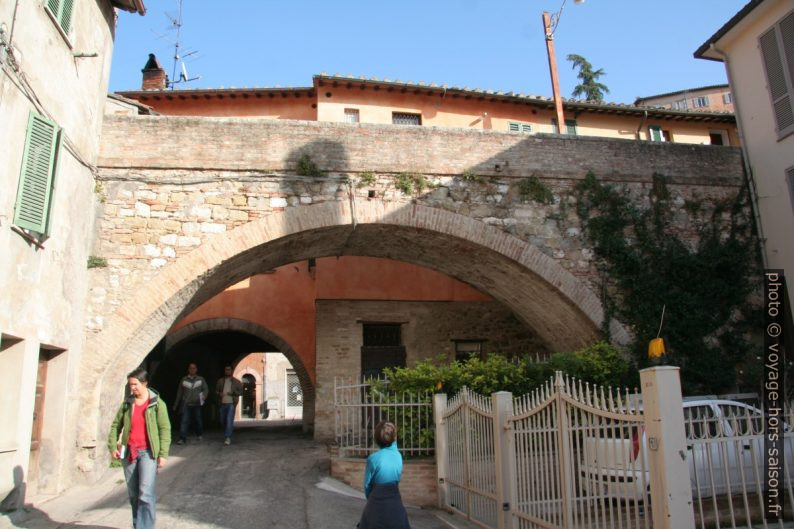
663,408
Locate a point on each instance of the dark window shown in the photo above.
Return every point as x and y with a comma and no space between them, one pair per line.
404,118
382,348
465,349
790,181
715,138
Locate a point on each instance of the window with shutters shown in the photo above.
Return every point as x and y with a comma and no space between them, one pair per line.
61,10
570,126
655,133
37,177
524,128
777,52
727,98
790,181
700,102
404,118
681,104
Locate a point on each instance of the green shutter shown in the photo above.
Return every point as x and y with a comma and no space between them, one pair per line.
37,174
65,18
656,133
570,124
62,10
514,127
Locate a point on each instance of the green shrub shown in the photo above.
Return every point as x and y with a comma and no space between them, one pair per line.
407,183
599,363
367,178
306,167
536,190
97,262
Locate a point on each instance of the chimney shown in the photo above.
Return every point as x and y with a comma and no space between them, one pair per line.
154,77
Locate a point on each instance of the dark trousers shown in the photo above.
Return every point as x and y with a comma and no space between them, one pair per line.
384,509
190,414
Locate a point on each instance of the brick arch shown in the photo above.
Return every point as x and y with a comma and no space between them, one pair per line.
210,325
560,308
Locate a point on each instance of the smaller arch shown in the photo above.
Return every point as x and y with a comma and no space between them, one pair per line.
210,325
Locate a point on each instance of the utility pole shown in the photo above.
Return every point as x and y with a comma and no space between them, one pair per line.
555,83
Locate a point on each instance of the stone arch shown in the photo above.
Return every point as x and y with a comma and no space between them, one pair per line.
559,307
200,327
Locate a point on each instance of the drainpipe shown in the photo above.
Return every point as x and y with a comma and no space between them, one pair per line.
746,159
642,123
13,23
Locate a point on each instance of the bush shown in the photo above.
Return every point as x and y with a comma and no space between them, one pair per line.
600,363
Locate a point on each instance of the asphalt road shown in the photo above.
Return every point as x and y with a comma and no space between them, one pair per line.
267,478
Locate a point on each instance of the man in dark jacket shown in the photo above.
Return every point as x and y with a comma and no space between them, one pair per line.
190,398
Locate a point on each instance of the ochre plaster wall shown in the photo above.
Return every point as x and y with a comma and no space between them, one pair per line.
284,301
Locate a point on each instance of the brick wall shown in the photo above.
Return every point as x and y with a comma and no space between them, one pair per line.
268,145
418,486
427,330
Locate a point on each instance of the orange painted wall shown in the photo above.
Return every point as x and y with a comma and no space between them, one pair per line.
284,302
376,104
241,105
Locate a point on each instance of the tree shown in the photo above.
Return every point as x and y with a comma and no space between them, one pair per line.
589,87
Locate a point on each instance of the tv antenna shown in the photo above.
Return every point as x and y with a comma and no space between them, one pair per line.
176,24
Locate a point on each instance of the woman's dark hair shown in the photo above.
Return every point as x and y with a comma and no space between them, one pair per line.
140,374
385,433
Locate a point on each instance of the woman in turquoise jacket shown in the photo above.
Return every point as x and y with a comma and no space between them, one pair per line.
384,509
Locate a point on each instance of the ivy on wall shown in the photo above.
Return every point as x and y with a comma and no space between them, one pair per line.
709,326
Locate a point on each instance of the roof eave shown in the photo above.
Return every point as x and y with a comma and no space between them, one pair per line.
133,6
705,51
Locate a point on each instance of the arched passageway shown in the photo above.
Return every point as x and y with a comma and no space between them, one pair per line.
547,298
218,342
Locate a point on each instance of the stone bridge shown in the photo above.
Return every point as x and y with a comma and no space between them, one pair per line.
190,206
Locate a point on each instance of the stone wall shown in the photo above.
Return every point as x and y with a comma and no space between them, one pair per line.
172,183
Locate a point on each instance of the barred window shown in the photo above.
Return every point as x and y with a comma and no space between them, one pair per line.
404,118
351,115
294,393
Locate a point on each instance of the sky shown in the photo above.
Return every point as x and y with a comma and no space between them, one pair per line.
645,47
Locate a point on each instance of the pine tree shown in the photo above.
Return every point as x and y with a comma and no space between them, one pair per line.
589,86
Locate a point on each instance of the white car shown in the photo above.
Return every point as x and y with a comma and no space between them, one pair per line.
724,440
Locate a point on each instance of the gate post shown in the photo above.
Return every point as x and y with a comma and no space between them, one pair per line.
671,492
565,462
439,406
502,406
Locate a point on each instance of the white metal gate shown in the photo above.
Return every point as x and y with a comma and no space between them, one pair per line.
577,453
569,455
471,477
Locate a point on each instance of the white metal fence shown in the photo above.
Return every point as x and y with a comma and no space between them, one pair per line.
726,456
360,405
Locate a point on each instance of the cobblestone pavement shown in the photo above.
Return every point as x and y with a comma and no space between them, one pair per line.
267,478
